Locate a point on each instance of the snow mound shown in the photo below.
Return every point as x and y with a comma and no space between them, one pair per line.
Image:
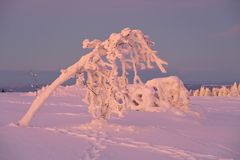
102,124
160,94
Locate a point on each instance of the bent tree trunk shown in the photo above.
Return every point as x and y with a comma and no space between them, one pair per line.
41,98
128,46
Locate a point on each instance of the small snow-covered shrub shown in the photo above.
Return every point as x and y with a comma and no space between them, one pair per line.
239,88
159,94
145,98
170,90
196,92
234,90
215,91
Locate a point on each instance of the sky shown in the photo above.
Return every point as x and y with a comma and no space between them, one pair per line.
200,39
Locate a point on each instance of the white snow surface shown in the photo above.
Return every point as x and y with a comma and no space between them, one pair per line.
64,129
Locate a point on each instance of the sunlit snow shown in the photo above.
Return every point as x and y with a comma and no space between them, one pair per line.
64,130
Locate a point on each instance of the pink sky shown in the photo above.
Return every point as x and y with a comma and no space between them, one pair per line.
47,35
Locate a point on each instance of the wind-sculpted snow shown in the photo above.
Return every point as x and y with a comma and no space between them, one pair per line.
64,130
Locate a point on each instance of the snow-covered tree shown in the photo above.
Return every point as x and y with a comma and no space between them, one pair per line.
223,91
239,88
234,90
207,92
202,91
35,84
106,80
196,92
80,81
190,92
215,91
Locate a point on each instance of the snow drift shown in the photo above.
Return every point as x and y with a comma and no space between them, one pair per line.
160,94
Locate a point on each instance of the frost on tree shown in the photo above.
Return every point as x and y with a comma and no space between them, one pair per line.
196,92
159,94
215,91
202,91
234,90
169,92
106,68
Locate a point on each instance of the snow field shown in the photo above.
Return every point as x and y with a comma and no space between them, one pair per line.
63,129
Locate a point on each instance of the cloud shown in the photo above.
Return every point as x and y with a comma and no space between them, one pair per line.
233,31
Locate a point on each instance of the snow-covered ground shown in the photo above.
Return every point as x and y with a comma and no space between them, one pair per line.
63,129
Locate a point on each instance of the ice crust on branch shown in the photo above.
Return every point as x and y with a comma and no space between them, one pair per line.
107,87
